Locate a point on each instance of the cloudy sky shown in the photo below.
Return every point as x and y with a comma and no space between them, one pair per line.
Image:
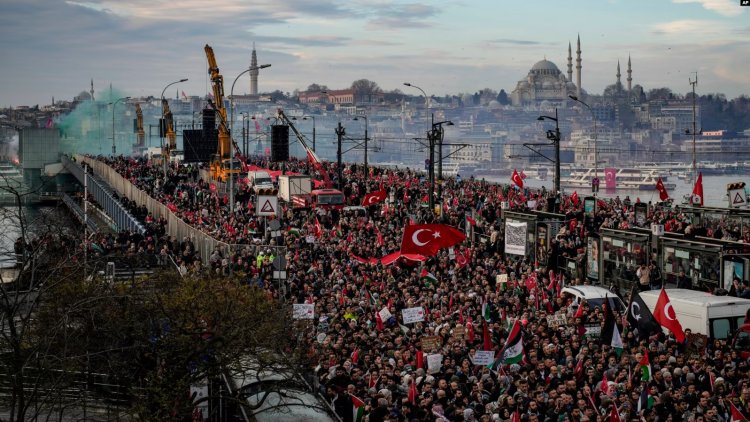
54,47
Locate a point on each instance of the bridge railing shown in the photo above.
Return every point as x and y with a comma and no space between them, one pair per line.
121,216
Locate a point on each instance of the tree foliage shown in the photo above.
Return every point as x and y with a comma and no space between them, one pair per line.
365,87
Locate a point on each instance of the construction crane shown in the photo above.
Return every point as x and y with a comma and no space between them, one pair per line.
141,139
221,162
171,143
310,153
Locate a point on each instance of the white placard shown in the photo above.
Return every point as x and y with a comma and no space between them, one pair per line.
434,362
310,238
385,314
412,315
303,311
515,237
483,357
657,229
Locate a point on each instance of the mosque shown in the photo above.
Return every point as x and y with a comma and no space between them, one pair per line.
546,83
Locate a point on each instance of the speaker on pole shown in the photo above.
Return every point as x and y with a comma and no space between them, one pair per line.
279,143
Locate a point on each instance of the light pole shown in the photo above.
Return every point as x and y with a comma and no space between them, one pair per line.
426,98
305,117
245,132
595,182
366,124
554,136
113,104
231,131
436,135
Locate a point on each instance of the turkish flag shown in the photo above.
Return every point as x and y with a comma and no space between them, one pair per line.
663,195
462,258
698,188
516,178
373,198
574,198
428,239
664,314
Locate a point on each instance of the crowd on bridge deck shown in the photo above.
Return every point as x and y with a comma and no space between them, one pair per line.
358,358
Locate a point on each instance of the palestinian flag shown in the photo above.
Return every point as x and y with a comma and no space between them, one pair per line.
513,349
427,276
611,333
645,367
486,311
293,231
339,232
646,401
358,409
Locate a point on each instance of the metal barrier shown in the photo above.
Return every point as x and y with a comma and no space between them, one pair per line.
122,217
76,209
176,227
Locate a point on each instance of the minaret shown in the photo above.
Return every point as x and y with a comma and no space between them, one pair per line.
630,75
254,73
92,89
618,74
578,67
570,64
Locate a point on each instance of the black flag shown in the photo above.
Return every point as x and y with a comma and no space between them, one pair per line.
640,317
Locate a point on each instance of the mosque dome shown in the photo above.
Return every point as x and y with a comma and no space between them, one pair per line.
545,65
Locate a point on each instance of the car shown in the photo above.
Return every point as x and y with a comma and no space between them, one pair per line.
595,296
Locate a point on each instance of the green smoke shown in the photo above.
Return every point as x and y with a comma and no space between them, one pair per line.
87,129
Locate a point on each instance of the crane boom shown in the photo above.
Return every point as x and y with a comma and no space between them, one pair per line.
139,126
311,155
220,167
171,143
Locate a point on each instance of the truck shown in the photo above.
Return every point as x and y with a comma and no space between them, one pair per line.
294,186
718,317
259,179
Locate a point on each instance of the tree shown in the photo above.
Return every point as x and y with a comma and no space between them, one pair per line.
660,94
365,87
502,98
316,88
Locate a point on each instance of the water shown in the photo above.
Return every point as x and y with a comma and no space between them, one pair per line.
39,220
714,189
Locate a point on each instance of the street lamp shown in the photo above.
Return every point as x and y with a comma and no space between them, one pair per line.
113,104
554,136
595,182
426,98
366,124
231,131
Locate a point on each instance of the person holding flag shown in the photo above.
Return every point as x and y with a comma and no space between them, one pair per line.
665,315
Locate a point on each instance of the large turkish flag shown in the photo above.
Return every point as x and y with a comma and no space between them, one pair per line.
427,239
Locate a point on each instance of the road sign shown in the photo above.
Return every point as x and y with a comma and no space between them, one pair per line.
279,263
737,198
267,205
274,225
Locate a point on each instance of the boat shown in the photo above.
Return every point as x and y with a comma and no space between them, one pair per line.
626,178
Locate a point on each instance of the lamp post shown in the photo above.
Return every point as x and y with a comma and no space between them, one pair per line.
231,131
305,117
366,124
426,98
436,136
554,136
595,182
245,132
114,148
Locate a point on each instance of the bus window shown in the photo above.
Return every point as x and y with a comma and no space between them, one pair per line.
720,328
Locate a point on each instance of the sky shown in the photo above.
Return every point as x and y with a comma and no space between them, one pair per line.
55,47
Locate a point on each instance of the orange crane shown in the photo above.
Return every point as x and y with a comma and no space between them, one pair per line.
221,161
311,155
139,127
171,143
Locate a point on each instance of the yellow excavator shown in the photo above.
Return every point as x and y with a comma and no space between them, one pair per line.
221,162
171,142
141,140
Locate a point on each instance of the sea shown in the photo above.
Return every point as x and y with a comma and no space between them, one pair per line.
714,189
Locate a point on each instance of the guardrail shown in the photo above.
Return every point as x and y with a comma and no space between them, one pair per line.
121,217
78,212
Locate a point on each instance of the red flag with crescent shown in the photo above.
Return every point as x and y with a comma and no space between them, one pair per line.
665,315
663,194
373,198
698,188
516,178
427,239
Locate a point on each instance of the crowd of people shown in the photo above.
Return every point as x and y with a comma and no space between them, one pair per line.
380,369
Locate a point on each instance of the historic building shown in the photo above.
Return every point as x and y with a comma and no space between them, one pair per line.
545,82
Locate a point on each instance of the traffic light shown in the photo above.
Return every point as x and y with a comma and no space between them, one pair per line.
735,185
267,191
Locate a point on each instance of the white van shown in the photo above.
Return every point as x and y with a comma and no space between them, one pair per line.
595,296
715,316
284,396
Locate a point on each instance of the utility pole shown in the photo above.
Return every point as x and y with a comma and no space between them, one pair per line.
694,82
340,132
431,172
